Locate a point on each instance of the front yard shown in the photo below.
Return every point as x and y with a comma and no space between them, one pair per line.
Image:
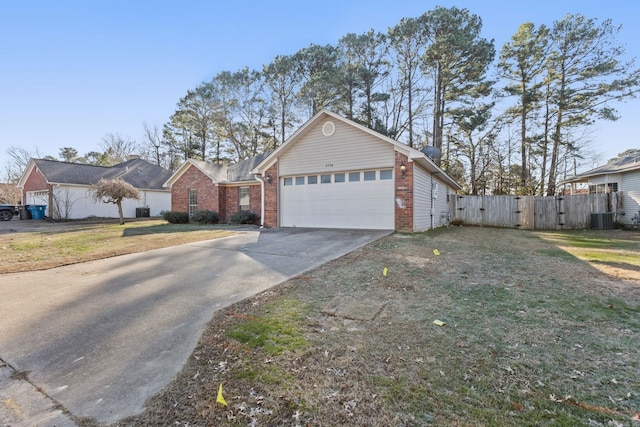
534,329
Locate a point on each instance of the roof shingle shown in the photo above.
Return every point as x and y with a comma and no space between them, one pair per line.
137,172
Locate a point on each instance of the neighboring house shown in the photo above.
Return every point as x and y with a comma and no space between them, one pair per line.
65,188
620,175
226,189
331,173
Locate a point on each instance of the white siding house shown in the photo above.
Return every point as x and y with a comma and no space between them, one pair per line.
619,175
335,173
64,188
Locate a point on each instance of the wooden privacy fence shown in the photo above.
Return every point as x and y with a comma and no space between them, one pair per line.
535,212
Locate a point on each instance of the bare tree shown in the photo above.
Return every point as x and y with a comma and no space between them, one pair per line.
114,191
19,159
152,141
117,148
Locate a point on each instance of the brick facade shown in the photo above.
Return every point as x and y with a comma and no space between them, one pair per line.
219,198
404,194
194,179
36,182
271,197
230,200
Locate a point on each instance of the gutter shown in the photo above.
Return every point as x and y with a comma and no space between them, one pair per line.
433,212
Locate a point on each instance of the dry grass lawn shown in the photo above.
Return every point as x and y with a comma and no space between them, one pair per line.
57,244
452,327
535,329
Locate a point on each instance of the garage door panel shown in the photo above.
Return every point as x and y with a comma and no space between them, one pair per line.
363,204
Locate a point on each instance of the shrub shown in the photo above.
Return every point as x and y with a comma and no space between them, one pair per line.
205,217
176,217
243,217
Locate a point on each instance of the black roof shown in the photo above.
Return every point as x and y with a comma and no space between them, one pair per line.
241,171
627,163
137,172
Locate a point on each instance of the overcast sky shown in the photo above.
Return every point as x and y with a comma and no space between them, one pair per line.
74,71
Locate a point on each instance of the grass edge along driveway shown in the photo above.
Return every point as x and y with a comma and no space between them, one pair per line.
530,335
55,245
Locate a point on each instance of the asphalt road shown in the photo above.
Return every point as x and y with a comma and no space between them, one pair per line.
102,337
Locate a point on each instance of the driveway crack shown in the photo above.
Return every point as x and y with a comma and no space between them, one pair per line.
17,401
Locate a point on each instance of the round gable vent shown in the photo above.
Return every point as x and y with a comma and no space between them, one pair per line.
328,128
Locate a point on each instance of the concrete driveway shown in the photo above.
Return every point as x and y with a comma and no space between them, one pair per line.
102,337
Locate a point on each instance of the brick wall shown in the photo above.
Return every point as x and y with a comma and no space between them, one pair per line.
36,182
404,194
207,191
271,197
255,199
230,202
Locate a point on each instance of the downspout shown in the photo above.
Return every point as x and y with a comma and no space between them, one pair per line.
433,219
433,222
259,178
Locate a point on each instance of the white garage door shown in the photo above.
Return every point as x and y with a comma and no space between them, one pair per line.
358,199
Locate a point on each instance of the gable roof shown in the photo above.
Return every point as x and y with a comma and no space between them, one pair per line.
137,172
220,173
242,171
621,165
413,154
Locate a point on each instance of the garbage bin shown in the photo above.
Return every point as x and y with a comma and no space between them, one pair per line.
24,211
37,211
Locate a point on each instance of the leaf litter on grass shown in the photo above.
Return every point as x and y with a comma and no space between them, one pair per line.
530,339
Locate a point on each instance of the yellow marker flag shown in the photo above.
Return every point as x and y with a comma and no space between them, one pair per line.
384,271
220,399
436,252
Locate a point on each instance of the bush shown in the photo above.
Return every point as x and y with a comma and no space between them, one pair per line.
176,217
205,217
243,217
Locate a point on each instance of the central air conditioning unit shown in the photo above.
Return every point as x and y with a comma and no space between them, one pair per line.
602,221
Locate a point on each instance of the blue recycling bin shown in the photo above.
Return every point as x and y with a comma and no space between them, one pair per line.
37,211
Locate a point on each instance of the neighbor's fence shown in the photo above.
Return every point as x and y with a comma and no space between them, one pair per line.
535,212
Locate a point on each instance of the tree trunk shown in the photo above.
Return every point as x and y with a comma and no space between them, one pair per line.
551,185
524,175
119,203
410,108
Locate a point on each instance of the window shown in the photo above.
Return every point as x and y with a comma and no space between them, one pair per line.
299,180
339,177
193,201
386,174
610,187
312,179
325,179
370,175
288,181
244,199
354,176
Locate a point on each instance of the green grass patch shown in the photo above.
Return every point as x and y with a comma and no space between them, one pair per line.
275,331
613,257
590,240
267,374
23,247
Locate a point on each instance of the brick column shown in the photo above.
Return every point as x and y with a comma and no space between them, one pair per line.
271,197
403,194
